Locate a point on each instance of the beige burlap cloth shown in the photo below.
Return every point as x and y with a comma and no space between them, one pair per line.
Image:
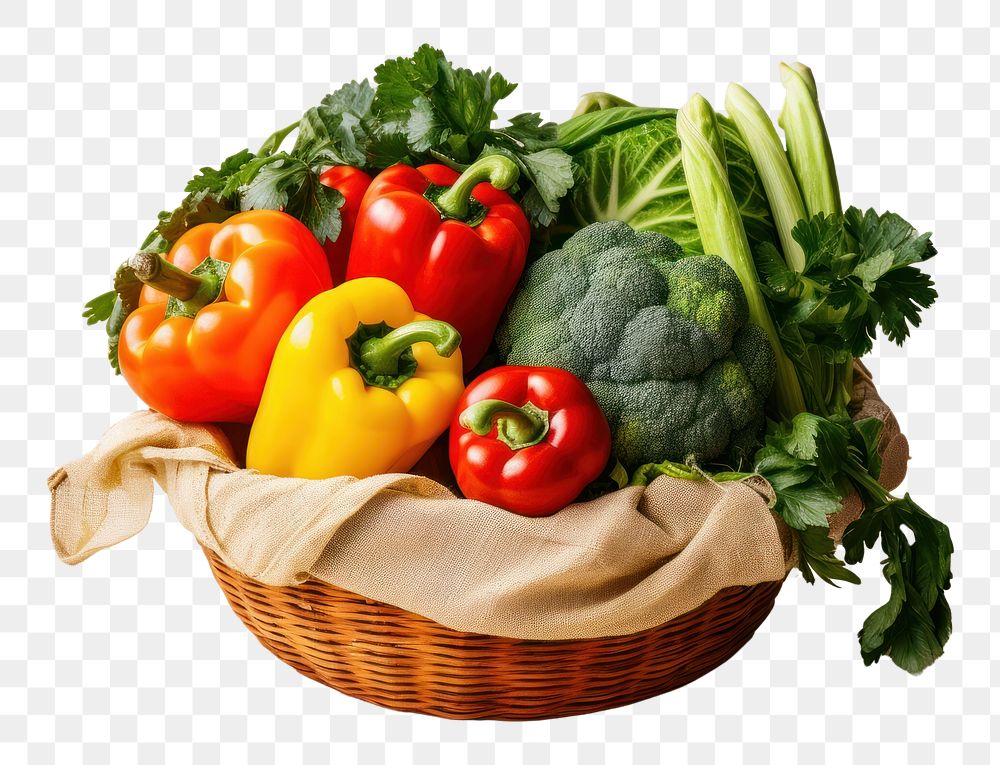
620,564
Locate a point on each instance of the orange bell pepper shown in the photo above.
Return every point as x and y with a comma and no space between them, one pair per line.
199,346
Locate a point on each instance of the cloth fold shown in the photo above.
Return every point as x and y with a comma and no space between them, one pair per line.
620,564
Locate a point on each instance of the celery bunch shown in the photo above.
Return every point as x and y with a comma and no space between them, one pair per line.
821,292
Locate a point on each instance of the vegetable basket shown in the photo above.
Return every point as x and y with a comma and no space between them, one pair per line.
443,477
397,659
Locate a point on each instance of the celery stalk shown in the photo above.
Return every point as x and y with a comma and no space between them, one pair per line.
721,229
768,156
809,150
811,157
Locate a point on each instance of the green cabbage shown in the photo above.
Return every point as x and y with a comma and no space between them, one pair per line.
630,162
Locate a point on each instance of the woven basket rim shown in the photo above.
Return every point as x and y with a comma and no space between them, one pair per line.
399,660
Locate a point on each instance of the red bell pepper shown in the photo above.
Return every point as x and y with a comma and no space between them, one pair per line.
456,244
528,439
353,184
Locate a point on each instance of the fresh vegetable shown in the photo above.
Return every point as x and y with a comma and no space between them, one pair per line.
422,109
807,461
360,384
721,228
809,150
352,184
860,275
663,342
845,275
779,285
198,345
769,158
456,244
209,200
630,162
528,439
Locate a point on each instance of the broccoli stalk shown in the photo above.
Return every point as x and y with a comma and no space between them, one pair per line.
721,229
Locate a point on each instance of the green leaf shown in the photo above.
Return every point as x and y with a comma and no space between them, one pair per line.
352,98
551,173
269,189
331,135
821,238
400,80
808,505
900,295
818,557
805,494
814,439
528,131
387,149
114,307
877,233
289,184
779,279
198,207
318,207
549,176
425,130
210,179
870,270
100,308
427,109
913,626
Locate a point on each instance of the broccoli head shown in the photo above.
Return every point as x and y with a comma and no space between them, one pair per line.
663,342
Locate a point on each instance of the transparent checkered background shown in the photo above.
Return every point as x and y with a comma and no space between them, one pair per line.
104,112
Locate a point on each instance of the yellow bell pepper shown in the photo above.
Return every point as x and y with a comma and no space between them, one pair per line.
360,384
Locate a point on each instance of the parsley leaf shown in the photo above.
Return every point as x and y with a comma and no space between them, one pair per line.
913,626
799,459
427,109
861,265
209,200
818,557
812,462
268,189
290,184
210,179
336,132
860,275
100,308
204,206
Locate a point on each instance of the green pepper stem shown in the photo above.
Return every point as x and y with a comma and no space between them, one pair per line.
517,426
499,170
194,290
380,355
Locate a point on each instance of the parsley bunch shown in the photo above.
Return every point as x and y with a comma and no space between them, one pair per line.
425,109
859,276
811,462
421,109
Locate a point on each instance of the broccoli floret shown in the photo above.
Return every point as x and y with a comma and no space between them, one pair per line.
663,342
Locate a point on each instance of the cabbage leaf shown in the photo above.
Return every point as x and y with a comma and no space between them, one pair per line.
629,160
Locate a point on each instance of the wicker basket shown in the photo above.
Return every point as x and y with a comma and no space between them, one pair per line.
391,657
